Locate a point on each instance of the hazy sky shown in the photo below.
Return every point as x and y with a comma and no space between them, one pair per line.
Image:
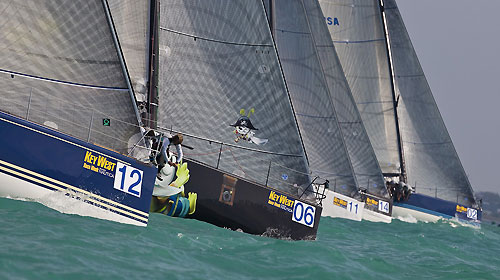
458,45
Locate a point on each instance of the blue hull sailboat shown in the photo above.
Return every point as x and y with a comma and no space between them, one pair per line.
422,169
67,115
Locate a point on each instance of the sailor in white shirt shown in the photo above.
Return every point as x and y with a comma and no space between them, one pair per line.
163,156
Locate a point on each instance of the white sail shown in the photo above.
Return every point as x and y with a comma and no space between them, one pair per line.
361,153
318,122
219,72
60,67
131,20
357,31
432,163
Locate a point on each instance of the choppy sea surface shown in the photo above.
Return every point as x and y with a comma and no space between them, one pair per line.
38,242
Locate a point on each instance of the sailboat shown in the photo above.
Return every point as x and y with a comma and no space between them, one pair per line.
68,115
400,114
221,86
337,146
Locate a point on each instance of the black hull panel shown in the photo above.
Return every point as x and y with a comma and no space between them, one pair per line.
378,204
231,202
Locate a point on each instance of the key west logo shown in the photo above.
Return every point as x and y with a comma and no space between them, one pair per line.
339,202
332,21
281,201
99,164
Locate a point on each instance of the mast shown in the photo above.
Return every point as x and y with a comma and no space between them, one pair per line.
152,101
394,99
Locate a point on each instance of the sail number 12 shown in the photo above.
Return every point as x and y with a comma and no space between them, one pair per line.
128,179
303,213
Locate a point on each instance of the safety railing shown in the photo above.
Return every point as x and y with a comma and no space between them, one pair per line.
78,121
90,125
260,166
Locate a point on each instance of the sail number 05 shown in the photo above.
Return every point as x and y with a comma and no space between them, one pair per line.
303,213
128,179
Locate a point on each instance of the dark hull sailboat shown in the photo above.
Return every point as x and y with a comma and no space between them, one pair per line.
229,201
247,163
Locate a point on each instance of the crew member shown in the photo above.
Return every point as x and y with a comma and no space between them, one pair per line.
164,155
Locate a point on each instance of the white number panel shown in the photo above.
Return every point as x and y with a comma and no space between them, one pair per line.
383,206
128,179
472,213
303,213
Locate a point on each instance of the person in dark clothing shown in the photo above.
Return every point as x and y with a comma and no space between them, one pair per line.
165,141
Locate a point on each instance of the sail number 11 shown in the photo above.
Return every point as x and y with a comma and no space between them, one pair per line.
128,179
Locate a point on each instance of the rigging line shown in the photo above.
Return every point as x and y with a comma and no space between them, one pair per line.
122,60
68,59
428,143
214,40
374,102
160,128
326,173
353,122
355,42
237,162
314,117
411,76
60,81
294,32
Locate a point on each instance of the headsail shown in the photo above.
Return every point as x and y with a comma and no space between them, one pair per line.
60,67
357,31
432,163
316,116
364,161
220,80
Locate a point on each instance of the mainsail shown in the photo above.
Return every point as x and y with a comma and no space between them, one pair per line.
61,67
220,80
357,31
131,19
323,140
364,161
384,73
432,163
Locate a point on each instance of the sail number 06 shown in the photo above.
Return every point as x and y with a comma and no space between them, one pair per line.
128,179
303,213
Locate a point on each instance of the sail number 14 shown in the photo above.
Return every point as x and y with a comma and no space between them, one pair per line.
383,206
303,213
128,179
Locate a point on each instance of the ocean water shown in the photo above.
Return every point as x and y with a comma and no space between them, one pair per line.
38,242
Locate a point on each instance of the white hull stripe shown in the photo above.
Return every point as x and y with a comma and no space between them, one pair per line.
36,177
